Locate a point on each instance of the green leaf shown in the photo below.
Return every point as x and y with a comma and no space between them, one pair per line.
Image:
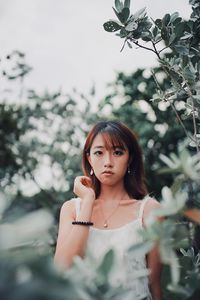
177,21
129,44
173,164
181,49
155,31
158,23
127,3
186,292
174,16
111,26
107,263
175,267
177,184
146,36
164,34
118,5
123,33
192,68
166,19
172,38
141,13
141,248
123,15
131,26
186,36
179,29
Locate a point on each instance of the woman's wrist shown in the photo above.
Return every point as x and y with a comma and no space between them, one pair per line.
89,199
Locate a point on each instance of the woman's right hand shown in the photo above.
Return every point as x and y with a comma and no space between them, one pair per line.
83,187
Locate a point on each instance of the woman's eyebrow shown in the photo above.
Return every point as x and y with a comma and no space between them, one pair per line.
99,147
114,147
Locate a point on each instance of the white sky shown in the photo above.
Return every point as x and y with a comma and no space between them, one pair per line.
66,44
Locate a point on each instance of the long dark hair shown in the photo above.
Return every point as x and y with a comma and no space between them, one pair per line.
118,134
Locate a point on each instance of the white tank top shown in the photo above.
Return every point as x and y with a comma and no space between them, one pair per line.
129,270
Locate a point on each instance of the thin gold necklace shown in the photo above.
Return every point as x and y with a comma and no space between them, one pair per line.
105,223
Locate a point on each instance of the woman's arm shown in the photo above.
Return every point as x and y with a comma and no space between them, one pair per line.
155,266
153,258
72,238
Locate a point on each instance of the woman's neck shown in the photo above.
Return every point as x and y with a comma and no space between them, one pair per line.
110,193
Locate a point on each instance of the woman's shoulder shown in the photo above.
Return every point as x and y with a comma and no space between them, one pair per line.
69,205
150,204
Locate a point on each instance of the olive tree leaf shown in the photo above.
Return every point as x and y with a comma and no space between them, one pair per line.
173,163
129,44
174,16
107,263
118,5
123,15
170,205
111,26
41,221
166,19
141,13
123,32
189,165
127,3
158,23
169,256
131,26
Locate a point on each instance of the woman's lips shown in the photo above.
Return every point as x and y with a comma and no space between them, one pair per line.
108,173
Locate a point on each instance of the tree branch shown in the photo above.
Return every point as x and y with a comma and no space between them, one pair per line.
173,108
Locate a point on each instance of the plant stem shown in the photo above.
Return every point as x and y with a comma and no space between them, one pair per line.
155,50
189,93
141,46
193,117
173,108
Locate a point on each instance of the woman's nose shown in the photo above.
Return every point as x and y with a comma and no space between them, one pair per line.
108,160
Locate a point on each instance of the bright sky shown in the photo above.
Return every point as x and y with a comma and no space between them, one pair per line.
66,44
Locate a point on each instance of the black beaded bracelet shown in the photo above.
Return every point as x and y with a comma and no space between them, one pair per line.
82,223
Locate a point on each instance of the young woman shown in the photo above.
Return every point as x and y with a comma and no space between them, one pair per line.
112,204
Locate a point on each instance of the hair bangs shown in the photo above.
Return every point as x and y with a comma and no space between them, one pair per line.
113,139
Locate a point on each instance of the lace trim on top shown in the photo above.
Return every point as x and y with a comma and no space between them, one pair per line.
129,270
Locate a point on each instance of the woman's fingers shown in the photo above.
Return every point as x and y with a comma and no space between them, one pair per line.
86,181
83,186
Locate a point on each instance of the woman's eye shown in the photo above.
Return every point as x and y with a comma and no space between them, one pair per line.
98,153
118,152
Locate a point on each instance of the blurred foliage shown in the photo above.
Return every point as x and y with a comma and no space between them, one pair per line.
27,270
42,135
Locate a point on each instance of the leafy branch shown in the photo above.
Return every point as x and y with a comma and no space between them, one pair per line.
178,36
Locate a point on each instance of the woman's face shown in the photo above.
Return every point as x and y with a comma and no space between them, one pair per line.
109,164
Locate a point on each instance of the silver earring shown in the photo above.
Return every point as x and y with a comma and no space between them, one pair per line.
91,172
129,171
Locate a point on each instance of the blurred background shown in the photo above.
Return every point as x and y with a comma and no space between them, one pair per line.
61,72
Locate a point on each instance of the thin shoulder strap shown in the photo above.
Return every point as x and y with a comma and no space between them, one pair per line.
144,201
77,206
